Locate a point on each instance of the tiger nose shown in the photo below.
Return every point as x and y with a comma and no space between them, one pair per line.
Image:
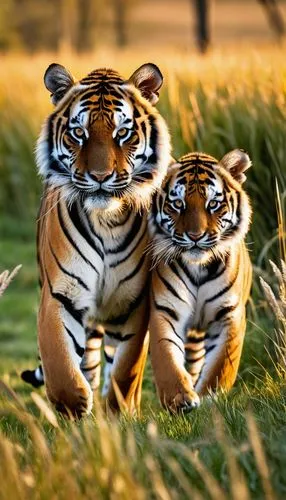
101,176
196,236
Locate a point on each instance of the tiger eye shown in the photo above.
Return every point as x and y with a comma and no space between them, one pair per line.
122,132
213,204
178,204
79,132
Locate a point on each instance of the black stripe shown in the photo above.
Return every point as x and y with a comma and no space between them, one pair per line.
135,228
224,311
195,340
194,351
212,337
89,368
167,310
175,343
78,349
224,290
119,223
213,269
93,334
196,360
119,336
229,233
210,348
69,238
108,358
144,176
78,223
153,139
123,259
173,328
187,272
173,267
134,272
169,286
77,278
122,318
77,314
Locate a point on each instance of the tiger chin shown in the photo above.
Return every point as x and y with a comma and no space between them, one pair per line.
102,153
201,277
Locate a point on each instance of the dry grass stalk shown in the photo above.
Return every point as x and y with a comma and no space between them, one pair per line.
239,490
281,223
278,306
257,447
6,278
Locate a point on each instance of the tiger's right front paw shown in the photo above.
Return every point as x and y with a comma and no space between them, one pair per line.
182,400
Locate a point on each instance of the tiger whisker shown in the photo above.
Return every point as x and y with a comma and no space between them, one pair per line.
52,207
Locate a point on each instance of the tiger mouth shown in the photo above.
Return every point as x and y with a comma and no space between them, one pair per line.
190,247
102,194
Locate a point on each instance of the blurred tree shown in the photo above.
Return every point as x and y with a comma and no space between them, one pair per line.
274,15
90,20
202,12
63,25
68,16
202,8
9,37
33,20
86,21
120,17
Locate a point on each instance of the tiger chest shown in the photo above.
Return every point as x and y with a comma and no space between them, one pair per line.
120,286
209,298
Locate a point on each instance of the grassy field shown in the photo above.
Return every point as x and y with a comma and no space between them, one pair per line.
232,447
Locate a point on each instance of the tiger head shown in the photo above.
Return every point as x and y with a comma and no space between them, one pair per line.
105,142
202,208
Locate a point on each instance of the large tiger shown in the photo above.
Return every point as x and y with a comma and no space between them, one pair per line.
201,278
102,153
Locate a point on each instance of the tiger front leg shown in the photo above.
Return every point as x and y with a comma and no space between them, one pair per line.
174,384
223,352
61,343
91,361
128,363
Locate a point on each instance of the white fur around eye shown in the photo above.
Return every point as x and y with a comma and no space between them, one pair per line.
179,191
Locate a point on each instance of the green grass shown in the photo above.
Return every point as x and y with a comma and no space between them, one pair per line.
158,442
214,452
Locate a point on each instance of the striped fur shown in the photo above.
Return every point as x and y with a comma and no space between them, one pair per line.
201,277
102,153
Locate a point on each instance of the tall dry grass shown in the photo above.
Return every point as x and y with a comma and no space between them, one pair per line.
102,458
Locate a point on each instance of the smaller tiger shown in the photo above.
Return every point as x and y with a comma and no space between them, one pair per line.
201,277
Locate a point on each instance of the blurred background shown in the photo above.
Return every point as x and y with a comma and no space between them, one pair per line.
85,25
224,87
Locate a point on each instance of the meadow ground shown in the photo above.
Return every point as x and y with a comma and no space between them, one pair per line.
233,446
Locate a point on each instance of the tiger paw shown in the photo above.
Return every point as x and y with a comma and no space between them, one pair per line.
184,401
75,404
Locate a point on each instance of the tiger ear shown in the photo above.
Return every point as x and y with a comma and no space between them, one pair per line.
148,79
236,162
58,81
